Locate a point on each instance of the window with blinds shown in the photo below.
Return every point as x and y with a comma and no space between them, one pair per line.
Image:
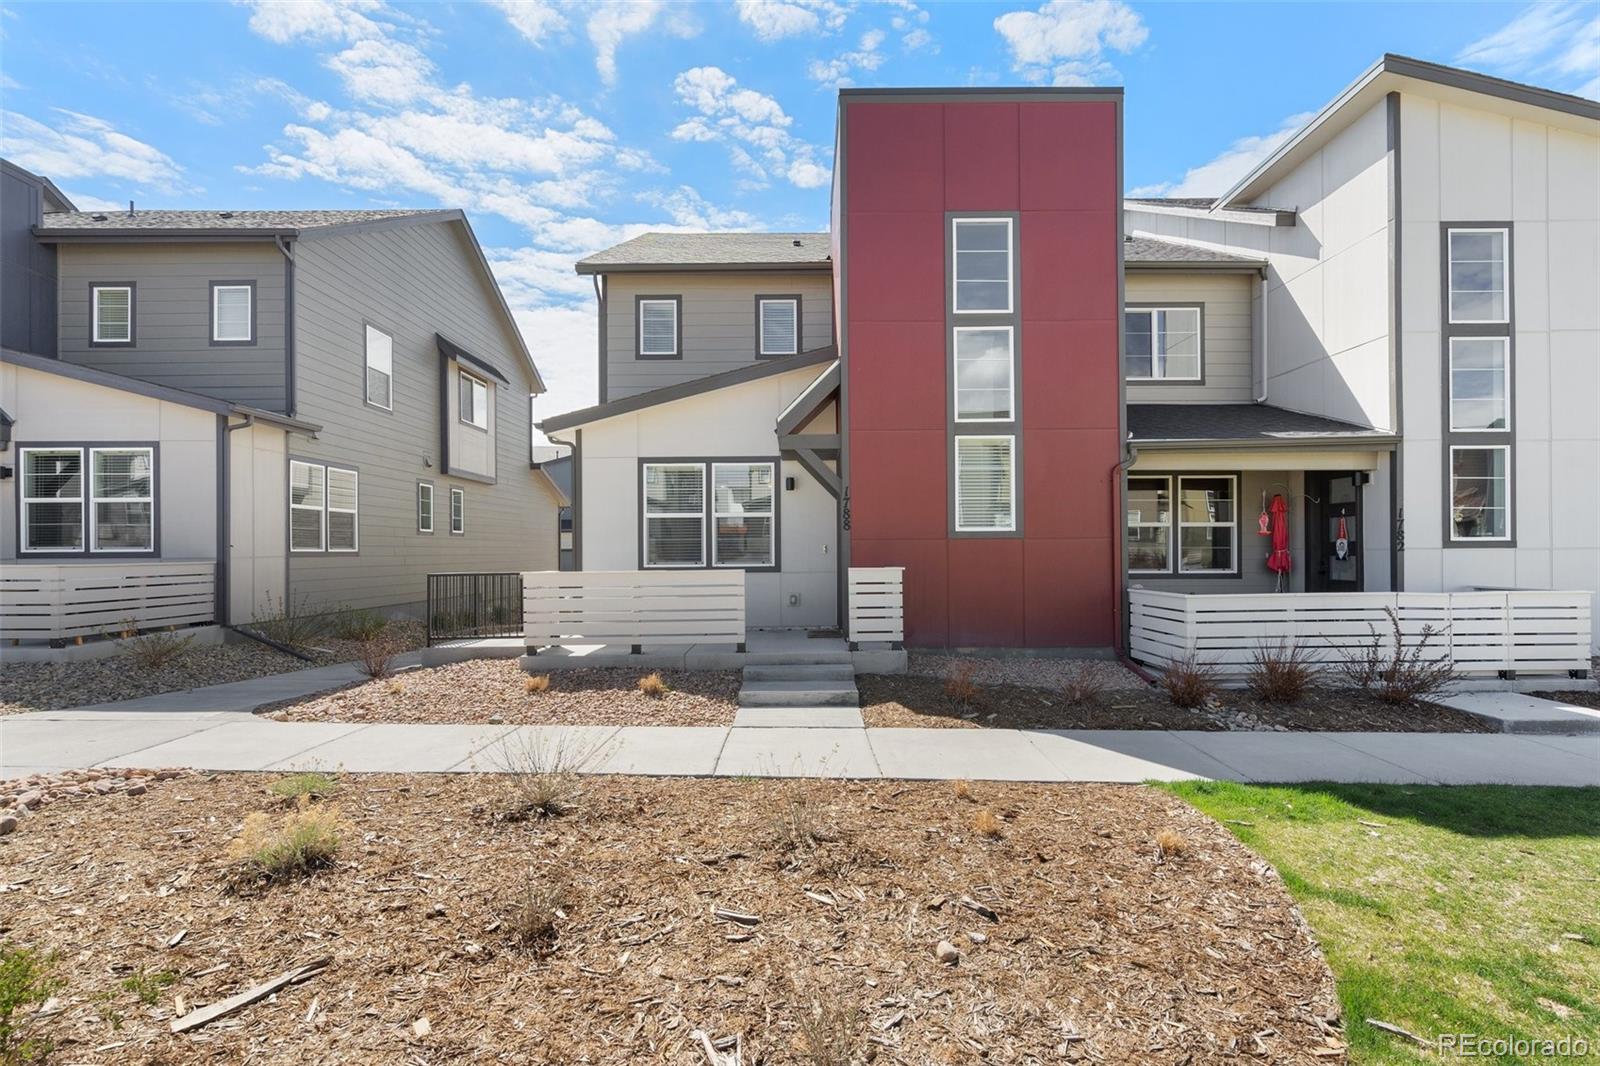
343,534
113,314
983,374
658,326
307,500
779,325
380,369
674,514
744,508
52,500
232,319
111,510
122,489
985,488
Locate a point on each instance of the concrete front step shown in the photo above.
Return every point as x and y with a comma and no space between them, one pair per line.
802,672
798,718
820,657
820,693
1515,712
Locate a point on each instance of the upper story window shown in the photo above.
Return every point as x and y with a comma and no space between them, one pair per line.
981,265
778,324
473,400
1480,384
114,511
112,314
660,327
1479,277
1163,343
380,368
233,319
1480,493
984,388
986,497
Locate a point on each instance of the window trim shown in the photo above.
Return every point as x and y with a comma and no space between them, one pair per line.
366,366
638,326
1167,525
249,286
458,528
1450,383
1140,307
955,376
1011,265
91,501
331,510
86,499
1178,526
766,298
707,510
645,515
321,509
463,375
1450,274
955,467
428,529
95,340
1510,538
711,509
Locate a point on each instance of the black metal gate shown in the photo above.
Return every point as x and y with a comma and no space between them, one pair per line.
470,606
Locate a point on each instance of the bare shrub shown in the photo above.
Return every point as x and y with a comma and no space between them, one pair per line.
828,1033
800,823
541,776
987,824
1280,672
1398,674
1084,688
652,685
962,789
376,656
289,623
536,684
543,903
1170,844
960,685
154,650
1189,682
304,840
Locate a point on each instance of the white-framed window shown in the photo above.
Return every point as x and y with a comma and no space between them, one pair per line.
1149,525
232,313
52,499
1480,384
1208,524
981,266
424,507
1479,275
1163,343
380,368
778,321
1480,492
122,490
344,521
458,511
744,509
472,400
112,314
674,498
308,501
986,496
984,390
658,326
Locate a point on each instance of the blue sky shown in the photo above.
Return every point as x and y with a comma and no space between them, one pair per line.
564,127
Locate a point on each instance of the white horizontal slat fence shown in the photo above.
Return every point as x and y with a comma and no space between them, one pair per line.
66,601
876,602
633,607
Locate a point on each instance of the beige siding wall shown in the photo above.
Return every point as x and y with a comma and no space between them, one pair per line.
411,282
719,323
472,449
258,528
1225,300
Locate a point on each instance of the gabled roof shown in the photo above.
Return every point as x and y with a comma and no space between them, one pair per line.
713,251
1152,253
144,222
1235,424
54,198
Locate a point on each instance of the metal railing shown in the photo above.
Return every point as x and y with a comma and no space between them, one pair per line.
471,606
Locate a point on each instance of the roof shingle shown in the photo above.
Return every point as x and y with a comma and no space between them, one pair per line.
1154,423
1143,250
244,221
670,251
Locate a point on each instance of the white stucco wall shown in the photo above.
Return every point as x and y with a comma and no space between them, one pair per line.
51,409
1470,164
733,422
258,523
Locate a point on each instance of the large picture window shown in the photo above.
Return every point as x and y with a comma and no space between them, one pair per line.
986,498
984,366
1163,343
1480,493
982,265
674,514
744,509
380,369
111,510
1480,277
1183,524
709,513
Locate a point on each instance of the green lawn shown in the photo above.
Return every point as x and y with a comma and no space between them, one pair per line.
1455,910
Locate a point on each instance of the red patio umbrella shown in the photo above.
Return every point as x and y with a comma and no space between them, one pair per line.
1279,562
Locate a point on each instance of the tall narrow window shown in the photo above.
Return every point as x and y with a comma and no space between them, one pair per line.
743,506
1480,493
307,504
1163,343
123,493
113,314
424,507
473,400
343,524
52,499
232,313
1207,525
658,326
778,321
984,391
1480,392
674,514
458,511
1479,276
1149,525
985,490
981,250
380,369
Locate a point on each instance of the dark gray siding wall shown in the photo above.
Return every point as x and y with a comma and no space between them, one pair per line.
411,282
718,328
172,316
28,284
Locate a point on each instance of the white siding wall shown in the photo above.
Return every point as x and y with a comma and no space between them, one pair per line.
737,421
258,469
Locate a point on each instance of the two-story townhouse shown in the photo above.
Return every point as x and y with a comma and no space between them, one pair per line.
367,400
1429,250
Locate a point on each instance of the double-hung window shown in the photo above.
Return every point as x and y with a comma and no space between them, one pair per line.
473,400
458,511
983,374
1163,343
981,268
744,508
380,368
1200,535
110,511
735,501
123,491
674,514
659,327
424,507
343,493
112,314
1149,525
778,325
1479,364
52,499
986,492
324,508
233,319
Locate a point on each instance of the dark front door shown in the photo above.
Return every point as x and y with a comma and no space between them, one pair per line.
1333,532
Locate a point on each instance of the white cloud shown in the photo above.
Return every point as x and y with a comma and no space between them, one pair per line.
838,71
753,125
282,21
615,21
911,24
75,145
1064,41
534,19
773,20
691,211
1559,42
1222,172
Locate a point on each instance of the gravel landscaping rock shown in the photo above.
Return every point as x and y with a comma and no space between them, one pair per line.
497,690
1040,672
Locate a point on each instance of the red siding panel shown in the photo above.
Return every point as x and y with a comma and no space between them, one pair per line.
1068,383
980,158
987,588
896,157
1068,156
896,266
900,475
911,355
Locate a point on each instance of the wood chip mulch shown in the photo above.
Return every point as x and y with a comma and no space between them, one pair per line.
892,701
484,690
1073,937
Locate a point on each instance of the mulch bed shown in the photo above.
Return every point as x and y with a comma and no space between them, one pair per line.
484,690
1100,948
905,701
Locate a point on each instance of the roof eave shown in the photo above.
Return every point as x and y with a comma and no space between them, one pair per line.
1164,267
129,235
586,267
1230,443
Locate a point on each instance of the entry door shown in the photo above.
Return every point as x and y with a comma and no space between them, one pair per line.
1333,532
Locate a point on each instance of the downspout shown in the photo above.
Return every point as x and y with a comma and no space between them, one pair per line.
1261,280
289,404
1119,579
